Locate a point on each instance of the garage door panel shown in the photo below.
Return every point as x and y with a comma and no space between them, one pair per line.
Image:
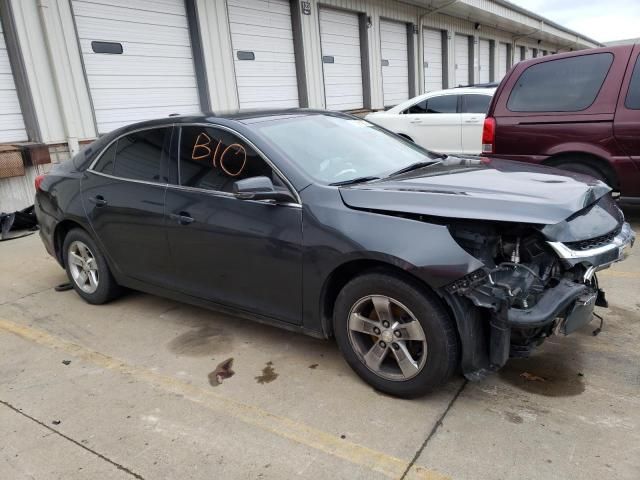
502,61
114,31
140,97
98,65
461,47
143,50
130,15
264,28
343,89
432,46
484,61
9,104
141,6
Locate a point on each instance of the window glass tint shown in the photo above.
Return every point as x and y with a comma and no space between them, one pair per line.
565,85
417,108
443,104
475,103
139,156
633,95
214,159
105,162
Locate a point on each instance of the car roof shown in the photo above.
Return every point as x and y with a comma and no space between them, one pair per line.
479,89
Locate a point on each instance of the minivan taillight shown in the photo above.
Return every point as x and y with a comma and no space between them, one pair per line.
489,135
38,182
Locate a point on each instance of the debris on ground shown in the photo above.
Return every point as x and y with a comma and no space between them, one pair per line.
268,374
18,224
222,371
313,366
532,378
66,362
56,422
63,287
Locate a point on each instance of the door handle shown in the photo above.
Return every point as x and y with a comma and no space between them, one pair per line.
472,120
99,201
415,121
183,218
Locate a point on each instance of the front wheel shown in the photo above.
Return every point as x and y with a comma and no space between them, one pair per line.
395,334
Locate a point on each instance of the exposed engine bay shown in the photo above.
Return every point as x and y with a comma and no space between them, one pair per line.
527,288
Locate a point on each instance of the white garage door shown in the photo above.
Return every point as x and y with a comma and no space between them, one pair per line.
395,62
432,47
502,61
341,62
153,76
484,61
11,123
528,53
263,53
461,47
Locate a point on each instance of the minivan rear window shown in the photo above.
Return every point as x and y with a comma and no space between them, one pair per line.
633,95
563,85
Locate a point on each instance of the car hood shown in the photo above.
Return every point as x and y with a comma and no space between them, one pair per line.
480,189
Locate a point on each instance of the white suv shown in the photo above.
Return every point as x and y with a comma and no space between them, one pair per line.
446,121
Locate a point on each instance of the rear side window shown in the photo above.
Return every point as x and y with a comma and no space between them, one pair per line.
475,103
633,95
563,85
140,155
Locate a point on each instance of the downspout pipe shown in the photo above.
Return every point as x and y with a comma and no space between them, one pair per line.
421,41
44,7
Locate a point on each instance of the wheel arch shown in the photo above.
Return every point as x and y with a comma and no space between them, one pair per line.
344,273
60,233
594,161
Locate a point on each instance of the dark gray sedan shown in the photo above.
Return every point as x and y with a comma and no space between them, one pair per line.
327,224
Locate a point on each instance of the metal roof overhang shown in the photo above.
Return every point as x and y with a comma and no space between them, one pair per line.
509,17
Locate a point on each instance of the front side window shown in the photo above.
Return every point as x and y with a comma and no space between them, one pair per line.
335,149
633,95
420,107
475,103
140,155
213,159
562,85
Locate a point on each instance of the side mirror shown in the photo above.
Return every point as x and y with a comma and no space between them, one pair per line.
260,188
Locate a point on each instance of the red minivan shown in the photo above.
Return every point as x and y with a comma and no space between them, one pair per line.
579,111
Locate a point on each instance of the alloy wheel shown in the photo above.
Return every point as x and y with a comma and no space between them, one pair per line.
83,266
387,337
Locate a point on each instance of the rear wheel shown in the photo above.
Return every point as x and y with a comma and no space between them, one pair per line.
584,169
87,268
395,335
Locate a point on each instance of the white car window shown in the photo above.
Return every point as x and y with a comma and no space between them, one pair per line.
441,104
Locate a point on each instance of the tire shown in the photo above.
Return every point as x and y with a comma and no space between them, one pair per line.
583,169
434,360
98,289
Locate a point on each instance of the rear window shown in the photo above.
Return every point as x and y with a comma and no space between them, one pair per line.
139,155
633,95
563,85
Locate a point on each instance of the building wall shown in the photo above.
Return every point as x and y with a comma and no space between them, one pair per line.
61,102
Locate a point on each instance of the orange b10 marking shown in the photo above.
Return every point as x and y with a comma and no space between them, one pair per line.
201,150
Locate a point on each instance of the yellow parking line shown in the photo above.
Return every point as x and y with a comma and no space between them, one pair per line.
618,273
388,465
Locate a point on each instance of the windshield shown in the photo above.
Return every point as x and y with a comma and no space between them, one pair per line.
337,149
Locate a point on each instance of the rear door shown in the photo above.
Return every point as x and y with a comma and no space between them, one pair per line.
123,195
241,253
627,121
473,110
435,124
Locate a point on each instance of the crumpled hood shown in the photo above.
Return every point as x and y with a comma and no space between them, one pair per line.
484,189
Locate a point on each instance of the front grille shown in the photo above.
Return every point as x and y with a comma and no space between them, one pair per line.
594,242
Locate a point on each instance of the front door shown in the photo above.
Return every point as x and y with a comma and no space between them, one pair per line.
242,253
434,124
123,195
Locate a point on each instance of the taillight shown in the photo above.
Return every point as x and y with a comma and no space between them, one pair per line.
38,182
489,135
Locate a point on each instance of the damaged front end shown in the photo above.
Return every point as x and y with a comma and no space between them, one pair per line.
536,280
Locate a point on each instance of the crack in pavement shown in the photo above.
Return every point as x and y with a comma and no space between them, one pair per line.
16,300
53,430
434,429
